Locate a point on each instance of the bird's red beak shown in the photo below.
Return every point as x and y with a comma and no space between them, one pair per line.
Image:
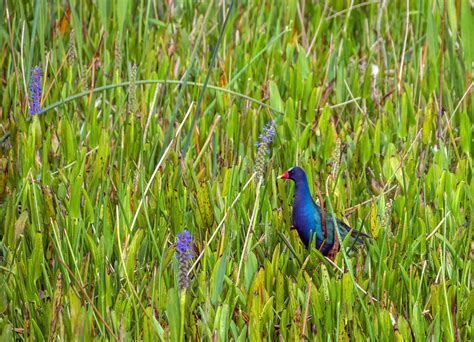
284,175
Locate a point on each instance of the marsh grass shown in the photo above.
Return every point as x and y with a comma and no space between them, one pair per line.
373,99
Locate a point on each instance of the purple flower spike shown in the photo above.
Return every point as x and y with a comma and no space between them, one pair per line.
35,91
262,144
183,244
183,253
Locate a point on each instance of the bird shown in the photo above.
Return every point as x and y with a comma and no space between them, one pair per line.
307,219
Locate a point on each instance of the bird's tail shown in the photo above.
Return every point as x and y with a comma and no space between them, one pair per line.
356,234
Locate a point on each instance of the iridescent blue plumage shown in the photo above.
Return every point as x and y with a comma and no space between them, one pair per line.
306,216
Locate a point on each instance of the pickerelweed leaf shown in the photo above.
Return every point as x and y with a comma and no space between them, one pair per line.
105,156
275,98
219,278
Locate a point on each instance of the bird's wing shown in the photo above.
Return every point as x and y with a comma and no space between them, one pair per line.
316,224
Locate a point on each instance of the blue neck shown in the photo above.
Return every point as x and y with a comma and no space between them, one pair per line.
302,193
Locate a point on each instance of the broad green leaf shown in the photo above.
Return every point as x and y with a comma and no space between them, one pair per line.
36,330
249,269
290,118
224,323
377,138
374,227
396,169
452,17
340,85
427,122
219,278
37,256
275,98
131,253
402,129
467,28
303,64
7,333
204,205
325,283
173,310
365,148
76,198
404,329
77,313
280,297
324,120
158,328
48,203
67,139
104,11
121,7
314,98
465,129
303,141
20,224
418,323
348,294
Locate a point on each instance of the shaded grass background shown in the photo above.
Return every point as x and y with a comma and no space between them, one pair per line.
72,178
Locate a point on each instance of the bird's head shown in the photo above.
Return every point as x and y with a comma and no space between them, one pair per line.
295,173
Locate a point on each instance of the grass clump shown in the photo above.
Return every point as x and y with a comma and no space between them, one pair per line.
146,119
